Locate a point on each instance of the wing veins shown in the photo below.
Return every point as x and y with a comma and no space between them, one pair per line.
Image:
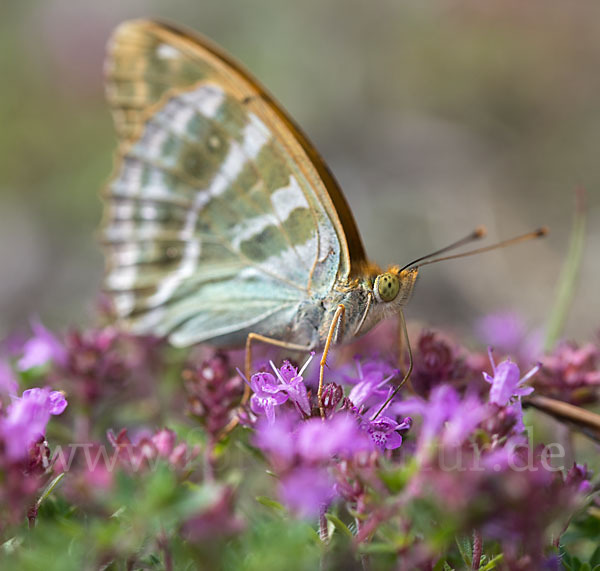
234,184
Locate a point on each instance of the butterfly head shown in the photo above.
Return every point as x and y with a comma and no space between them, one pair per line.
393,287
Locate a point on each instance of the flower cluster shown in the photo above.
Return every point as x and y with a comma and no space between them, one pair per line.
304,448
213,393
405,473
93,365
571,373
468,444
145,450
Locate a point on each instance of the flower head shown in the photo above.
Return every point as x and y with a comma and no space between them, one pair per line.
267,395
436,362
213,392
385,432
506,382
143,452
504,330
27,418
307,490
101,362
571,373
371,383
278,438
448,418
578,478
292,385
339,435
44,346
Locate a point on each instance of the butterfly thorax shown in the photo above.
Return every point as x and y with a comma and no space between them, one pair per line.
364,306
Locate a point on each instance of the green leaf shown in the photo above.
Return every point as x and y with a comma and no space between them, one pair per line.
575,563
339,524
49,488
491,564
268,502
565,558
595,557
465,549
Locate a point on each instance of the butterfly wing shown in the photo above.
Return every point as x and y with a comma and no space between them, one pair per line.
220,218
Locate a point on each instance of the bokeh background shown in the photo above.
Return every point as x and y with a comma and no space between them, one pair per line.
434,116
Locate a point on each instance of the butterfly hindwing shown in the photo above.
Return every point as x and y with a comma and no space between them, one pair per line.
216,221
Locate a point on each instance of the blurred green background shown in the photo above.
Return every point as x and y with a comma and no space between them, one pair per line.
434,116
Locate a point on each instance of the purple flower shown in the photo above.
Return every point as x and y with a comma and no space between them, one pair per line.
44,346
292,385
164,442
301,451
102,363
278,438
27,418
306,490
313,440
506,383
578,478
515,410
340,435
385,431
446,416
8,381
435,362
213,393
145,449
372,378
571,373
505,330
267,395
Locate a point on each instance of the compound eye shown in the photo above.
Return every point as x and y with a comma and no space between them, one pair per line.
387,286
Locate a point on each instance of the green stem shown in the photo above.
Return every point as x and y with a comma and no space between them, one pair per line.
568,275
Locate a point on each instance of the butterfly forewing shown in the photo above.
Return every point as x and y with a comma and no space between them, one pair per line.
217,221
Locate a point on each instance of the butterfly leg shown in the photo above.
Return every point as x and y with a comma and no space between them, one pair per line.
334,328
402,339
400,345
269,341
248,366
408,372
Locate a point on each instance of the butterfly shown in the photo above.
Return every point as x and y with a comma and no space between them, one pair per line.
222,222
221,219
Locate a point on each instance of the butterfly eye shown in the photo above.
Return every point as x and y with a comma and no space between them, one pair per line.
386,287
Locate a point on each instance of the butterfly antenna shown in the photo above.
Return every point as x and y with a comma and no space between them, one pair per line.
539,233
477,234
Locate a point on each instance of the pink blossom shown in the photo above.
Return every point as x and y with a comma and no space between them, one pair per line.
44,346
27,418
